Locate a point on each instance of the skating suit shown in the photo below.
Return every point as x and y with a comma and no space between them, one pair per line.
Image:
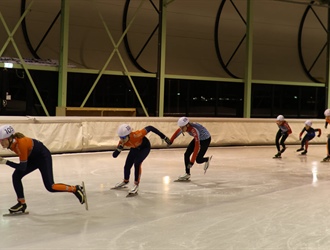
32,155
327,121
139,149
310,134
281,135
197,146
285,128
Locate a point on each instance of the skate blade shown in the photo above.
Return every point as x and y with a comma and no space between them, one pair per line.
131,195
277,157
15,214
118,188
84,191
208,165
182,180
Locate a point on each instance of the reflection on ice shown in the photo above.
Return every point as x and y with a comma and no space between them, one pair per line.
246,200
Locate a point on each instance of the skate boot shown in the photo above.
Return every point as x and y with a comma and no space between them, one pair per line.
207,164
120,185
283,149
304,152
134,190
300,149
326,158
80,194
184,177
18,208
278,155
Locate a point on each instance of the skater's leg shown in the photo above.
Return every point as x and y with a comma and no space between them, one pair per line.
17,180
204,146
187,154
328,145
45,166
19,190
277,140
133,152
282,142
142,154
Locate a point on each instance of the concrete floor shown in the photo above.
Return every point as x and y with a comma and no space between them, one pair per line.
247,200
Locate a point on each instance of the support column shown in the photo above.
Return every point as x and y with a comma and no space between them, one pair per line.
327,78
248,65
64,50
161,58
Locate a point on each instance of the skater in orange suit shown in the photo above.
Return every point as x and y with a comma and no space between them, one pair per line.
33,155
327,121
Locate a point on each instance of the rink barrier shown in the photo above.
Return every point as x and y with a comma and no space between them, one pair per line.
89,111
86,134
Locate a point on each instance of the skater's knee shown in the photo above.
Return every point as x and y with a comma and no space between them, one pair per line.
49,188
17,175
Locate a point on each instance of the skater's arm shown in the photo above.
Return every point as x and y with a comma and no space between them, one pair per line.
19,166
160,134
289,131
175,135
197,147
117,151
301,133
22,152
320,132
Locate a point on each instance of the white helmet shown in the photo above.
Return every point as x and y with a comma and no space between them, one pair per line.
183,121
308,123
280,118
124,130
327,112
6,131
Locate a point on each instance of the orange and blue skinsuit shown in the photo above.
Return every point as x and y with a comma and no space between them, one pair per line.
327,121
139,150
33,155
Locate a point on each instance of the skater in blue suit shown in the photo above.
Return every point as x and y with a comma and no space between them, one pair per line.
310,134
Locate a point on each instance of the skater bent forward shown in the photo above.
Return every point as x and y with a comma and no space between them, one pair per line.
327,121
310,134
282,134
196,148
139,149
33,155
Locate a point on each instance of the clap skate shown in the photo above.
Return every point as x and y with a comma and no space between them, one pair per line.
183,178
278,155
207,164
85,195
326,159
133,191
18,209
304,152
120,185
80,193
300,149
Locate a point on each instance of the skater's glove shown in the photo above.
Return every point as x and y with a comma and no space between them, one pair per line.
190,164
2,161
299,138
167,140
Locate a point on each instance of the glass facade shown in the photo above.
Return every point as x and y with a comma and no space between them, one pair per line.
182,97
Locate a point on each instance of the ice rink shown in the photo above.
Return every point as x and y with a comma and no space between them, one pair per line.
246,200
